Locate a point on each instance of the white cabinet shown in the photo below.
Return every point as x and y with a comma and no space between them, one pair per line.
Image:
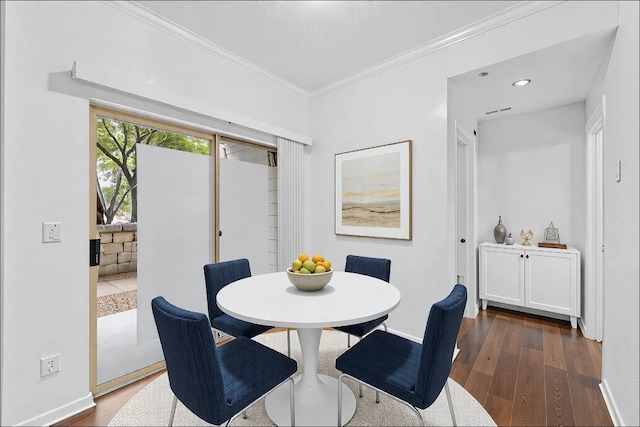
527,276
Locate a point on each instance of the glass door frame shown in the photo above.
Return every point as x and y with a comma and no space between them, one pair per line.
99,111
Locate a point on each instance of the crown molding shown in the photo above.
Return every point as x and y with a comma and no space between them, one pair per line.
140,12
514,13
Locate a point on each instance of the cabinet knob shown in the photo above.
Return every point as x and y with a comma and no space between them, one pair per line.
462,240
527,256
521,256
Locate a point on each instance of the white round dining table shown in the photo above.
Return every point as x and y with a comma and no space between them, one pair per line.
270,299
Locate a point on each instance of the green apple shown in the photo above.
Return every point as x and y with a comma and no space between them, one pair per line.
309,265
304,271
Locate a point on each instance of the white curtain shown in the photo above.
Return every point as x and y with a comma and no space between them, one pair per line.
290,201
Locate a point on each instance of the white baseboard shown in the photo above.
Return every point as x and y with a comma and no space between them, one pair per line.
61,413
611,404
586,332
419,340
407,336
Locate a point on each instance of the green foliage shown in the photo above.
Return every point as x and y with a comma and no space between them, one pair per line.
116,141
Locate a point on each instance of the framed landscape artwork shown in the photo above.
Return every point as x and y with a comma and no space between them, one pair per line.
373,192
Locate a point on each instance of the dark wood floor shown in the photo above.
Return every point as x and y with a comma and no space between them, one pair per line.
525,370
529,370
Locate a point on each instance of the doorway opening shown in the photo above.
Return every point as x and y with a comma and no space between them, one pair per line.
592,319
464,213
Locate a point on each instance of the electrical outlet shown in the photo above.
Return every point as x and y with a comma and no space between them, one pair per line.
49,365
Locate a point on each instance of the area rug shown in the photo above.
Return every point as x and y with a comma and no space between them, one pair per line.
151,406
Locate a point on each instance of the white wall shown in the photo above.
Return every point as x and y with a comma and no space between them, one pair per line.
621,346
410,102
531,171
45,162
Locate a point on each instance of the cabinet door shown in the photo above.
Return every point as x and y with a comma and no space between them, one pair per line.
502,275
552,282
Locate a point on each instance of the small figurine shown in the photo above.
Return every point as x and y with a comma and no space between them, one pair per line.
526,236
508,240
551,234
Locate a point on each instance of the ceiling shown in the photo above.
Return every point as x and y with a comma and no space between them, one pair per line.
314,44
560,75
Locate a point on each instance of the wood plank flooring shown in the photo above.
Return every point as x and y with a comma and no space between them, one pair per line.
524,370
530,370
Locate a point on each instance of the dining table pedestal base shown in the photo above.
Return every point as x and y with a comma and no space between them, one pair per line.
316,394
271,300
316,406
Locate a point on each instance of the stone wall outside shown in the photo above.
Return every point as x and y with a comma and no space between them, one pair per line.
118,248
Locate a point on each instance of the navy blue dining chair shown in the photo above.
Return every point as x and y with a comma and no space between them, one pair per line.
216,383
218,275
379,268
412,373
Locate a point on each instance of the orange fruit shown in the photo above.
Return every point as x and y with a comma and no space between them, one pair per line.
327,265
303,257
317,258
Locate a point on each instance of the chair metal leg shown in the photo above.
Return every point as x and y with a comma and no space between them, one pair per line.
377,393
244,414
348,340
340,400
288,342
446,389
173,410
292,402
420,420
413,408
384,325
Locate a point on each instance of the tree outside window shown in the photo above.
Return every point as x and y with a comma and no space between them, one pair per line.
116,161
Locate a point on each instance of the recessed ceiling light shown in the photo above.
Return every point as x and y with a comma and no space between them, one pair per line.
522,82
483,74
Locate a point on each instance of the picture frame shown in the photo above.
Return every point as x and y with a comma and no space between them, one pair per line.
372,189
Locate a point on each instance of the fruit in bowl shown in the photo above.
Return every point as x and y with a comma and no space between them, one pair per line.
314,265
310,274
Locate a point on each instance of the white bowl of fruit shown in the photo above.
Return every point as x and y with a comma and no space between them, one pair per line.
310,274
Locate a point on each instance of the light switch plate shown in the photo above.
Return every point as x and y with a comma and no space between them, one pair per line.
51,232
